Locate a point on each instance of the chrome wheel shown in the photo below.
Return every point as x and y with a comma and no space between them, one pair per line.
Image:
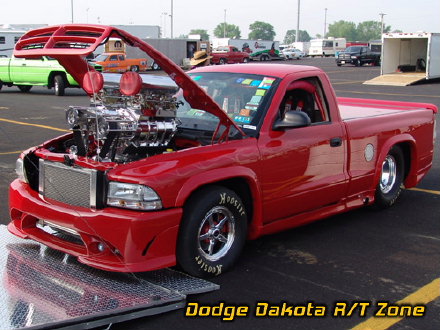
388,175
216,233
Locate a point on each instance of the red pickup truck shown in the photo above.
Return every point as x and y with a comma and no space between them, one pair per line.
184,169
228,55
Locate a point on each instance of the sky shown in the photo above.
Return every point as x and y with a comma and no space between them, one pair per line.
405,15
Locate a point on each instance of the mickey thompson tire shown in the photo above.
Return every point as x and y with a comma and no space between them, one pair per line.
391,179
212,233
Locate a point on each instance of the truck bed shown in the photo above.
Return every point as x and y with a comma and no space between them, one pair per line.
352,108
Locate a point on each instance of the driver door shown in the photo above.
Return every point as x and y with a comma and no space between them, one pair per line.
303,169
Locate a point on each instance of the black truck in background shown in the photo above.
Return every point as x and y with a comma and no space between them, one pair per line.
358,55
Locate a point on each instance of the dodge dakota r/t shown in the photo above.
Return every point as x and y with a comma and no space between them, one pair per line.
183,169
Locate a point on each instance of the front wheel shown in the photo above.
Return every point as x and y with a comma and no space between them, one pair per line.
246,60
212,233
391,179
155,66
134,68
222,61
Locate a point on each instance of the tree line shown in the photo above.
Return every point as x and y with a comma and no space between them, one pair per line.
363,31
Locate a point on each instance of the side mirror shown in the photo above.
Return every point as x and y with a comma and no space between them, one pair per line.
292,119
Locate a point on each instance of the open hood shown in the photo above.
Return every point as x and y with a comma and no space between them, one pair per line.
71,43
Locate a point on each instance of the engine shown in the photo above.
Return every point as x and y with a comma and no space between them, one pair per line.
122,128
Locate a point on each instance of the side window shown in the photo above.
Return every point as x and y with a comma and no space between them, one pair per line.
121,57
114,58
306,95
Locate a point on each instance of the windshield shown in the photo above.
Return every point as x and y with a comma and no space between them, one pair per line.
100,58
243,97
354,49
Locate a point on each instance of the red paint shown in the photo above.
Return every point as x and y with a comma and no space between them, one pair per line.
293,176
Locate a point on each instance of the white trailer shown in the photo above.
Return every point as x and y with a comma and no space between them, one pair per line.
408,58
302,46
327,47
8,39
260,50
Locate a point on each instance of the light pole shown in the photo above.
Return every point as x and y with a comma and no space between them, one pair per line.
224,26
71,9
381,23
297,23
172,18
325,23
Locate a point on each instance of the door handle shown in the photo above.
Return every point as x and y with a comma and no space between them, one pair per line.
336,142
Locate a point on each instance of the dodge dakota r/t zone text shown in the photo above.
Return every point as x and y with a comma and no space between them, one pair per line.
160,171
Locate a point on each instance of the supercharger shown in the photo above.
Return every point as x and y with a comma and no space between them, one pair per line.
124,128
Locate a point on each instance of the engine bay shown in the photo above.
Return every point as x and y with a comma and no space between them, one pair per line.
130,117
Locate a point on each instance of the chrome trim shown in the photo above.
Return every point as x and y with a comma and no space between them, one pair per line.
93,188
51,225
93,179
41,178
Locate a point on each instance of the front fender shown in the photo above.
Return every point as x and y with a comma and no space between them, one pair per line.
221,174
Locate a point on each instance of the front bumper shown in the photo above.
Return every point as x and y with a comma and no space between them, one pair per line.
346,61
134,241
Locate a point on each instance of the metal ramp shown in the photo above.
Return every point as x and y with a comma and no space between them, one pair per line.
397,79
46,289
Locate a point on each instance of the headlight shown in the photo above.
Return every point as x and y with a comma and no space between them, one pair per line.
132,196
19,169
354,57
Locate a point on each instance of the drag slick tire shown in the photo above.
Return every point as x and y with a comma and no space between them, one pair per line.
390,179
212,233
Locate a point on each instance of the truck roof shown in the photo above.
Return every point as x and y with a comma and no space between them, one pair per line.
273,70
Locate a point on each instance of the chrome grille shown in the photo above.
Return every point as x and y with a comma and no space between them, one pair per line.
67,184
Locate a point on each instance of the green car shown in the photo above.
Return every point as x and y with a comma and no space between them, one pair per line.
45,71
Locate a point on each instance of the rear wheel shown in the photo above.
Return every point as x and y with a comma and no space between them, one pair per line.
222,61
24,88
59,85
264,58
391,179
212,233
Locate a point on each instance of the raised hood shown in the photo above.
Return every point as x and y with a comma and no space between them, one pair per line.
71,43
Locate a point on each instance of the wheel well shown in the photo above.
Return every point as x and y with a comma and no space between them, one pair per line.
52,75
406,150
237,185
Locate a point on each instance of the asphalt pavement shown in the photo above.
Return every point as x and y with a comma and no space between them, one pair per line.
351,262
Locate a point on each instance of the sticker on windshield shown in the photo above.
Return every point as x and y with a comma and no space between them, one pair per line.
246,82
260,92
256,83
242,119
250,127
256,99
266,83
239,80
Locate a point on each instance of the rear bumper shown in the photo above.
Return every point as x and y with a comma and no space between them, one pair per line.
134,241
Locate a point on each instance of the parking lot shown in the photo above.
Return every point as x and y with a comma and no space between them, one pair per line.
363,256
